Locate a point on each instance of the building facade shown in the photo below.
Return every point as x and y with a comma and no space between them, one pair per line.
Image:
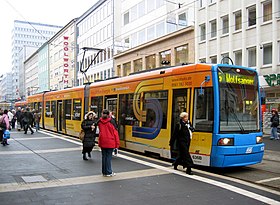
43,68
247,32
5,87
26,35
95,41
62,57
31,74
173,49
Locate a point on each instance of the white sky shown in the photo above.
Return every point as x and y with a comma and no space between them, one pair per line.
54,12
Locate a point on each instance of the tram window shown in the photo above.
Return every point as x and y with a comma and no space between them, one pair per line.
77,109
126,114
53,105
48,109
96,105
155,105
68,106
204,110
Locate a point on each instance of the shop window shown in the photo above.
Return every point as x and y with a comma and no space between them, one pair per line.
150,62
182,54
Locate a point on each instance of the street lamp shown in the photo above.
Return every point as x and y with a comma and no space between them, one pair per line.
99,50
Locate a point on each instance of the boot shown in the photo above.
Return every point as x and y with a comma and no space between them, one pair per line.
175,165
189,171
84,157
89,155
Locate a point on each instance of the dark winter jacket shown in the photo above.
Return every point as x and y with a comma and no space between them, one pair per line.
89,139
108,135
181,134
274,121
28,118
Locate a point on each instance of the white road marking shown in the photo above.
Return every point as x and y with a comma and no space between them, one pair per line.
40,151
30,138
268,180
12,187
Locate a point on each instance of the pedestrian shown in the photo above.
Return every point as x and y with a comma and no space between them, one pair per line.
89,127
274,124
181,138
11,116
28,120
108,140
37,118
5,121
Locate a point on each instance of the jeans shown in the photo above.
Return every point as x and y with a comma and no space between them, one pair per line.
106,160
274,134
37,126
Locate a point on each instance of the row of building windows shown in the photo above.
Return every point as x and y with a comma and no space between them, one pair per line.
34,31
251,56
102,75
251,20
98,37
96,17
165,58
140,9
102,57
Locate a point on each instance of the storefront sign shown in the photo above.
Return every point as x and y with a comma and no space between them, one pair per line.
236,79
65,60
272,79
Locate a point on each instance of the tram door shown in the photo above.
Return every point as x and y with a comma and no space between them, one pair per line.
60,116
180,103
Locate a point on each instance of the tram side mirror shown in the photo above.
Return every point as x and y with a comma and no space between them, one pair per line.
207,79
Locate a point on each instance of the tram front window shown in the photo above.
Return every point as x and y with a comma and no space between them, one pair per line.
239,101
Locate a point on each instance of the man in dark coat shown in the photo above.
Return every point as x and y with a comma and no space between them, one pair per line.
28,119
182,139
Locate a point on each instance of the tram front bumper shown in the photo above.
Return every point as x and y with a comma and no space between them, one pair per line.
234,156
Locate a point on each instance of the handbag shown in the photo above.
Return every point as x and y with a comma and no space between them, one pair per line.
6,134
82,135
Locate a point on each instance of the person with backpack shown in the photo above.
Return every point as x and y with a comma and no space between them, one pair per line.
181,138
4,125
108,141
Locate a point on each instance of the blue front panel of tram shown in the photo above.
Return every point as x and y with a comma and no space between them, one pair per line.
245,150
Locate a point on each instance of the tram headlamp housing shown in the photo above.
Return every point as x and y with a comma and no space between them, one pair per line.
226,141
259,139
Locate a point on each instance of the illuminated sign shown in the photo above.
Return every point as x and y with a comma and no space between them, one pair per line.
272,79
236,79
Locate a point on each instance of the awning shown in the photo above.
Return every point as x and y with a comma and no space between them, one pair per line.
263,83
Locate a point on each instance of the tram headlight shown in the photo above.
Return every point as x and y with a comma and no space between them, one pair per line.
226,141
259,139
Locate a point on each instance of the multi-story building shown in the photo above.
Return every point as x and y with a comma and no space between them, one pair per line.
95,41
5,87
26,35
247,32
31,74
160,27
62,57
43,68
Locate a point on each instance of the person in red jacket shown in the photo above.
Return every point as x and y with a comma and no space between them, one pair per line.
108,141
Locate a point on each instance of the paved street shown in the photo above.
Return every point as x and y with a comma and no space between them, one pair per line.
46,168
